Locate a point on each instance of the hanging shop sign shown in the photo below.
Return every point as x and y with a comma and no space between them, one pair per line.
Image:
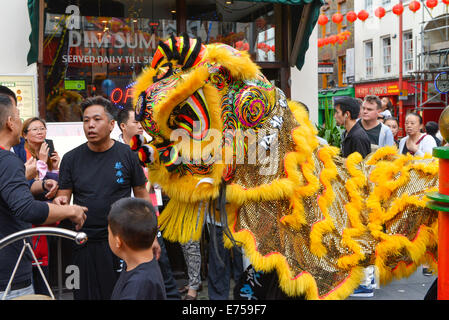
383,89
325,68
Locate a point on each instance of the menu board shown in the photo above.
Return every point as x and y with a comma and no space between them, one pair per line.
24,86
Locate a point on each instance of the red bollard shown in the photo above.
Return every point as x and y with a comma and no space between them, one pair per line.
440,202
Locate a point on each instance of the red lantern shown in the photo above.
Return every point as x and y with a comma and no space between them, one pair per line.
446,2
398,9
320,43
333,39
326,41
363,15
323,20
337,18
431,3
351,16
380,12
415,6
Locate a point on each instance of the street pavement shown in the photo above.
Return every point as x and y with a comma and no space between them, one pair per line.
414,287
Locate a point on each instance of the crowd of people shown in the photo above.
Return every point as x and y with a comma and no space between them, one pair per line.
116,206
113,203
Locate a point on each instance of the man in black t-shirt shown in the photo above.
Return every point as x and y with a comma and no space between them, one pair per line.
355,138
97,174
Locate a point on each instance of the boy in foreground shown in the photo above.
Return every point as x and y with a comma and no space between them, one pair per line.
132,228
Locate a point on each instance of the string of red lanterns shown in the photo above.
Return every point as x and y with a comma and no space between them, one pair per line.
380,12
334,39
363,15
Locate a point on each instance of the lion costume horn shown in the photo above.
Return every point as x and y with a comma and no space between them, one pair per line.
222,132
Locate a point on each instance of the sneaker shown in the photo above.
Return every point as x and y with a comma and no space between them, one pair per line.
363,292
426,272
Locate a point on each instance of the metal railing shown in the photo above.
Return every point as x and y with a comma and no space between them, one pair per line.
79,238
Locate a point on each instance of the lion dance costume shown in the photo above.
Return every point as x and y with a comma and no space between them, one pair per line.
316,219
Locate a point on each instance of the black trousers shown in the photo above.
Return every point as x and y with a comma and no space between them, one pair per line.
98,270
171,288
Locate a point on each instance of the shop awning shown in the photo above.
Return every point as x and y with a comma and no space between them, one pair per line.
33,12
304,16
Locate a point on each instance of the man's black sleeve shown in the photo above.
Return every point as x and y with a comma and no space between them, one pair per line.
362,146
16,194
137,173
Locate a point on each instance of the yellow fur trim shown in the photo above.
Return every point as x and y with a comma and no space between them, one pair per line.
241,67
324,201
144,80
354,207
182,221
293,285
384,177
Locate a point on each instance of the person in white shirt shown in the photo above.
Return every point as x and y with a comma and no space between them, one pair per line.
126,121
386,109
416,143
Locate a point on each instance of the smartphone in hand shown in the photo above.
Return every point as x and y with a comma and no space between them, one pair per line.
51,147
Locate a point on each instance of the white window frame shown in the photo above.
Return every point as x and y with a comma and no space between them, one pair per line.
369,59
386,4
386,54
408,51
369,6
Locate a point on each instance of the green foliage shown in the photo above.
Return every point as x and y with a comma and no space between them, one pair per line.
330,131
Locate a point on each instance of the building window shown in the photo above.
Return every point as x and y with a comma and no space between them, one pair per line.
386,4
369,6
408,51
369,58
386,54
99,47
342,81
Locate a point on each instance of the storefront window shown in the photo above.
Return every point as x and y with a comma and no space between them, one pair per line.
246,26
99,47
99,50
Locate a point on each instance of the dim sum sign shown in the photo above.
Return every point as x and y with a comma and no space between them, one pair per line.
104,38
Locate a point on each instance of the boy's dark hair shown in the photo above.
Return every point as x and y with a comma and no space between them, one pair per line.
134,220
8,92
101,101
123,116
5,109
432,128
348,104
374,99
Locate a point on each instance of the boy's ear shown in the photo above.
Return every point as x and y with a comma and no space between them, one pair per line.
118,242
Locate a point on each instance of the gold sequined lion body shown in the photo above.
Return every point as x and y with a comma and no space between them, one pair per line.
296,207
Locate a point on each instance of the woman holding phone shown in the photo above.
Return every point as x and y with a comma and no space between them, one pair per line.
34,131
41,153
